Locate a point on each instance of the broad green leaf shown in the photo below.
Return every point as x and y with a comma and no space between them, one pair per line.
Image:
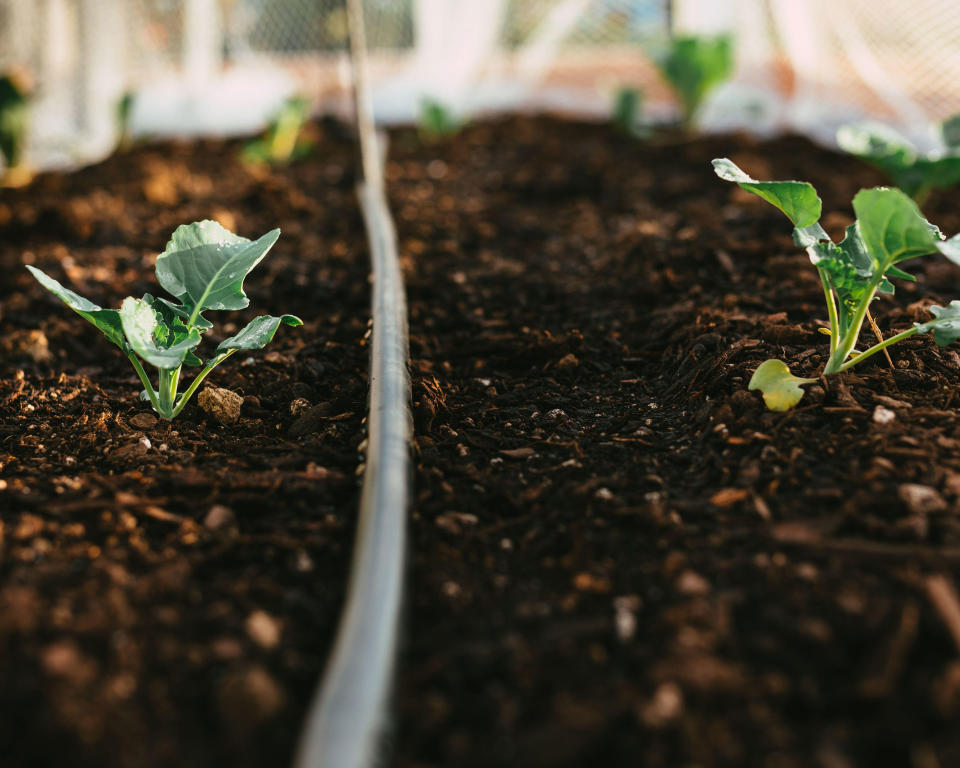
945,325
797,199
150,338
878,144
892,228
188,236
883,147
258,333
204,266
950,132
107,320
781,389
913,173
694,66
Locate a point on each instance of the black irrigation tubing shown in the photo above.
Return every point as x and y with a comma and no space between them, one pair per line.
348,720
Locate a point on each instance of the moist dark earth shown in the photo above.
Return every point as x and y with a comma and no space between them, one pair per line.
618,556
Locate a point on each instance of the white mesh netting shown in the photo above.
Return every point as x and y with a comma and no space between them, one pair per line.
223,66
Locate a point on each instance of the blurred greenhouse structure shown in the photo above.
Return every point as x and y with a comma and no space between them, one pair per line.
224,66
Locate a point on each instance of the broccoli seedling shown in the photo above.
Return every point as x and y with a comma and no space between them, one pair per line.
203,267
915,173
14,124
436,122
282,141
889,229
627,107
694,66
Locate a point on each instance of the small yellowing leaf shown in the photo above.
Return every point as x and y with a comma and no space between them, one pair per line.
781,389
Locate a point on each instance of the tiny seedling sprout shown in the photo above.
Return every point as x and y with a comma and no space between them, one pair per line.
627,108
283,141
437,121
203,267
888,230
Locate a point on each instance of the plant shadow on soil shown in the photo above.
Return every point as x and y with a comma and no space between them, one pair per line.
618,556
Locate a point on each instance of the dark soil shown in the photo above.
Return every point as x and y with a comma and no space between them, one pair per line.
168,591
620,558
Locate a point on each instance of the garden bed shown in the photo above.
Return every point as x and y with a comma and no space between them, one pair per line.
169,590
621,558
618,556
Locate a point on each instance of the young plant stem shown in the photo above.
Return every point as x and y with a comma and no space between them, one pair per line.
831,308
168,391
876,331
877,348
199,380
845,345
145,380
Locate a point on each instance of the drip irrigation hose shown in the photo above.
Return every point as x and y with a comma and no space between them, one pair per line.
348,721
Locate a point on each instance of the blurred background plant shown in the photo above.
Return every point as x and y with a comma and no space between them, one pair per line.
14,128
283,141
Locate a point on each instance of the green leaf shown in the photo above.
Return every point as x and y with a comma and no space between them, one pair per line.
199,322
204,266
886,149
951,248
892,227
627,106
945,325
950,132
258,333
797,199
781,389
805,237
695,65
107,320
938,172
151,338
897,272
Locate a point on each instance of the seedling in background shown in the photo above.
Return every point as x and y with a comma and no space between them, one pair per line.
14,124
203,267
889,229
123,113
437,121
627,109
282,142
694,66
915,173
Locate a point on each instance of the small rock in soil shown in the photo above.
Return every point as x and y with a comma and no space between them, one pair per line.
883,415
219,517
921,499
263,629
32,344
567,362
299,406
666,706
692,583
143,421
250,696
222,404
